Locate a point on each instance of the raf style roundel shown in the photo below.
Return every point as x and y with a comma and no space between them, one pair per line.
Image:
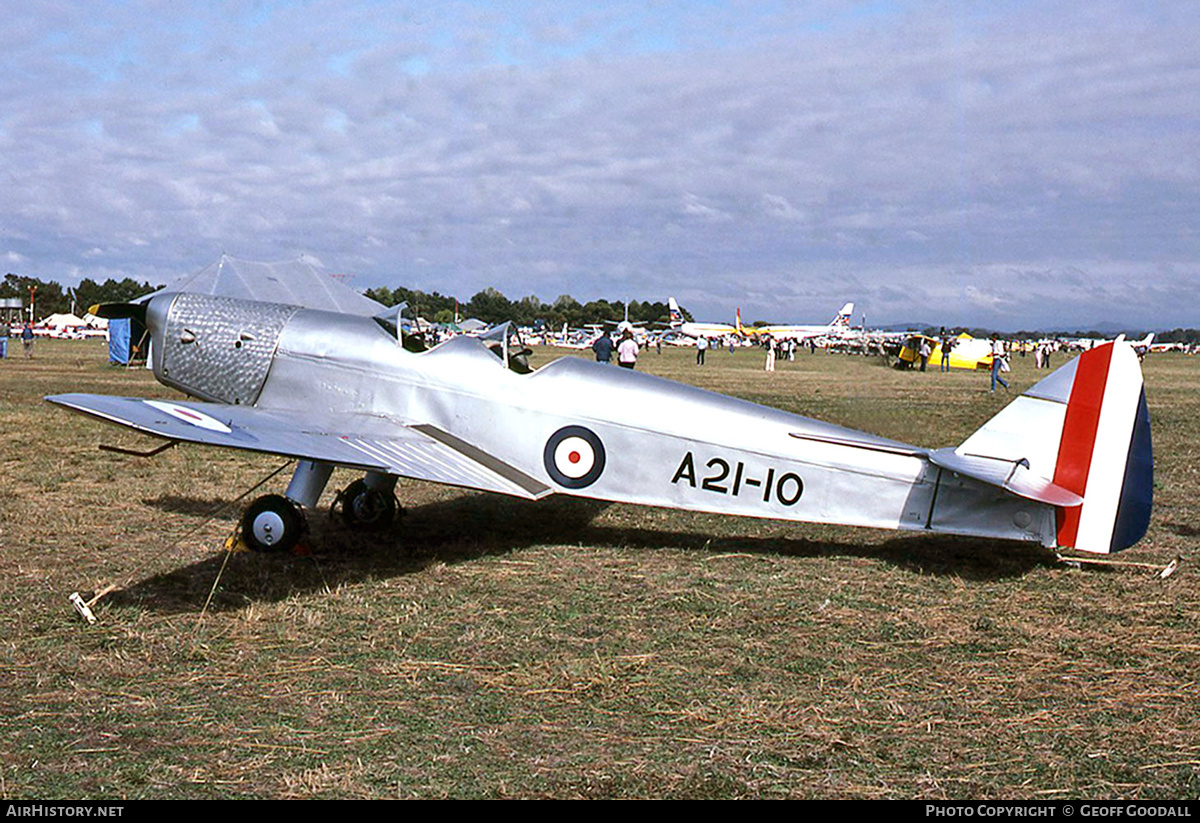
574,457
195,418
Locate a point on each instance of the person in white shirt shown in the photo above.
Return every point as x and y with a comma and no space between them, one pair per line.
627,351
998,353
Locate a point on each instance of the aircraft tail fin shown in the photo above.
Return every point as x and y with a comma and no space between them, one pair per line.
843,316
1084,429
673,307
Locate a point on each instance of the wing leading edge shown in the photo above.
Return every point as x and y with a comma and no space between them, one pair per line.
421,452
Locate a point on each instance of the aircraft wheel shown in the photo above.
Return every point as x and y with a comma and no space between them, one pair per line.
272,523
363,507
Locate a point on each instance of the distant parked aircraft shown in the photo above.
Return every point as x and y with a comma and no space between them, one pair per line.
692,329
839,325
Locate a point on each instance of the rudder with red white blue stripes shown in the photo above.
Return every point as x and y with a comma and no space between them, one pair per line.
1104,452
1083,433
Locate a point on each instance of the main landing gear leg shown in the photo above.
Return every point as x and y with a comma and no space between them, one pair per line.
368,504
275,523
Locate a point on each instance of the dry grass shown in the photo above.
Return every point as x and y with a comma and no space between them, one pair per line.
492,648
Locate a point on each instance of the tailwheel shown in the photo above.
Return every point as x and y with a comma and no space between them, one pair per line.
363,507
272,523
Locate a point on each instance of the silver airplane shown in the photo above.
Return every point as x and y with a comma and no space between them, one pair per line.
1066,464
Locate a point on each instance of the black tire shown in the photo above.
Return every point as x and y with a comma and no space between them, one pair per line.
365,508
272,523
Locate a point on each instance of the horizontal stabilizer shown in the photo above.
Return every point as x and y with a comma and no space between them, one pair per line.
1010,474
1014,476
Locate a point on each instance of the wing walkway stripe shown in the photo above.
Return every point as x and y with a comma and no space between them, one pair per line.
510,473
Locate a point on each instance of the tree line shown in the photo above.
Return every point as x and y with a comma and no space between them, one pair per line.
50,297
488,305
491,306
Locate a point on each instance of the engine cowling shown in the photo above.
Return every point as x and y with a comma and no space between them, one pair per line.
214,348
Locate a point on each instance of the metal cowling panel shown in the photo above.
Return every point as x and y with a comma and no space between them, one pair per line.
219,348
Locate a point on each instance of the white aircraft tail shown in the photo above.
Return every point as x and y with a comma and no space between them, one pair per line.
676,314
843,316
1083,432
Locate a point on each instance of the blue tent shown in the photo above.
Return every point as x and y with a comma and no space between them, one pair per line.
119,344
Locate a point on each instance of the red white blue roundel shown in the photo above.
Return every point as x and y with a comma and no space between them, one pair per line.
188,415
574,457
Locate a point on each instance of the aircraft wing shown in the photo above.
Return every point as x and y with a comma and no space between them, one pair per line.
369,442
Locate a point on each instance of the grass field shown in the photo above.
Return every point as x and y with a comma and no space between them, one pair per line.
492,648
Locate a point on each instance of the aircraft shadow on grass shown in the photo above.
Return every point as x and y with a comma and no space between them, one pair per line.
479,525
1183,529
212,508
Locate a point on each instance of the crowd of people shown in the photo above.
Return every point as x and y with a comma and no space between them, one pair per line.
994,359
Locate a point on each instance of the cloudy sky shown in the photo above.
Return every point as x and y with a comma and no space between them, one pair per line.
1009,164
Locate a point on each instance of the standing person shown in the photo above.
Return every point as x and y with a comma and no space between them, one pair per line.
701,349
997,362
603,347
27,340
770,354
627,351
925,352
947,345
5,331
